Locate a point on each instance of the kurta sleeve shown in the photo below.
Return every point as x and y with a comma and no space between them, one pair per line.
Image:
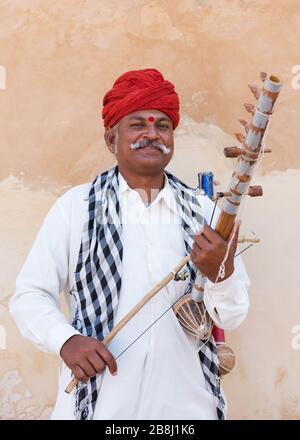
35,306
227,301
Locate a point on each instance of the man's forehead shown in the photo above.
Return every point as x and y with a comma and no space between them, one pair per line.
145,114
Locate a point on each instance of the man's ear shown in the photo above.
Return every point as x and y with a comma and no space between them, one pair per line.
110,138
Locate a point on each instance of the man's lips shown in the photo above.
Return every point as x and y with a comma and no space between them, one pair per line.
150,149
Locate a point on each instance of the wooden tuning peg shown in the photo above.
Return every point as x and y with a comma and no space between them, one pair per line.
263,75
221,194
255,89
244,124
250,108
240,137
232,151
244,239
255,191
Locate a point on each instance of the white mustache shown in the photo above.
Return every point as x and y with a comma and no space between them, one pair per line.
147,143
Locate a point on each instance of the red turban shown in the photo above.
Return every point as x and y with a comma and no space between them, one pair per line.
140,90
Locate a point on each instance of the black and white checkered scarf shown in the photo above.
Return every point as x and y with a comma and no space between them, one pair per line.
98,276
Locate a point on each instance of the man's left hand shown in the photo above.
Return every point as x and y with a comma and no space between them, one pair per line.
210,249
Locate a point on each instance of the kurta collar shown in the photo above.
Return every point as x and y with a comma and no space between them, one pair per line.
166,194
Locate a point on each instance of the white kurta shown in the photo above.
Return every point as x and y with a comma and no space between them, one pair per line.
160,376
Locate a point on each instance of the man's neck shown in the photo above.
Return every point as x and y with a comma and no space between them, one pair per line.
148,186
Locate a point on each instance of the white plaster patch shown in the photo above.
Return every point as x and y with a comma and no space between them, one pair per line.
8,398
46,413
197,100
28,393
11,183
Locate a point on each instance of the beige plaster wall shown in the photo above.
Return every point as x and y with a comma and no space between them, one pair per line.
57,59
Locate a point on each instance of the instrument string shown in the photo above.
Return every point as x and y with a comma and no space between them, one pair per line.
148,328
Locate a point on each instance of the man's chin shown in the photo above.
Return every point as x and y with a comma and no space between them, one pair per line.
152,165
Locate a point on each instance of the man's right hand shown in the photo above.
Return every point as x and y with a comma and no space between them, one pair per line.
86,357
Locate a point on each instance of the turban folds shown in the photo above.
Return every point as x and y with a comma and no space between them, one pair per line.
140,90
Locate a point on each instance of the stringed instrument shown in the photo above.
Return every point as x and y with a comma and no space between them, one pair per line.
190,310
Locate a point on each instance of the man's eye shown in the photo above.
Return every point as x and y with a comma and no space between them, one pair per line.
137,125
164,126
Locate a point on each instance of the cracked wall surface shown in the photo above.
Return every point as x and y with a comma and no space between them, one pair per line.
57,59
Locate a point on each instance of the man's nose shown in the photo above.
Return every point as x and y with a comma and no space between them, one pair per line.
151,132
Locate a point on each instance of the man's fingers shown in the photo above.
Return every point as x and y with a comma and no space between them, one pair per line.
79,373
97,362
201,242
87,368
108,359
210,234
86,357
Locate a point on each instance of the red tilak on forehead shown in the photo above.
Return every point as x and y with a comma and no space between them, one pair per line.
151,119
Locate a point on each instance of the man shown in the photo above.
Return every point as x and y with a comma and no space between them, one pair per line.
107,244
